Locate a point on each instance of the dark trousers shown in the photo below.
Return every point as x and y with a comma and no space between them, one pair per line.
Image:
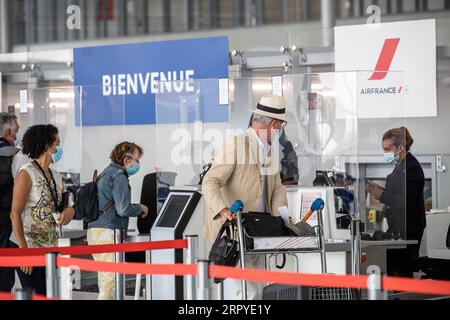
35,281
7,276
404,262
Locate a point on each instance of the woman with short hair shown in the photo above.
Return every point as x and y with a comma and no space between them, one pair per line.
114,197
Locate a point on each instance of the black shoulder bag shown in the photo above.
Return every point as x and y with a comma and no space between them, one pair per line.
224,251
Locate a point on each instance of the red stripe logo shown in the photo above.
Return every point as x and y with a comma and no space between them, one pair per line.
385,59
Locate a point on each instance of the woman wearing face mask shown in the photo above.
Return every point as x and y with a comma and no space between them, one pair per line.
37,208
114,197
396,145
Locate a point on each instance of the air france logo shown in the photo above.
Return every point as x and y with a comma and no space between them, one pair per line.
382,69
385,59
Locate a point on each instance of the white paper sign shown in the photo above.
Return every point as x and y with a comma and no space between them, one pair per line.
223,92
284,212
401,57
23,97
277,85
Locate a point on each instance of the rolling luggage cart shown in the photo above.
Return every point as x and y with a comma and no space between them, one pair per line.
281,245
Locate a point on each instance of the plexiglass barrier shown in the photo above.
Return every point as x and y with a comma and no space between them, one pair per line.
330,148
86,141
332,141
191,123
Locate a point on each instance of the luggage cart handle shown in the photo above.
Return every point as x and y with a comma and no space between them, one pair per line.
236,208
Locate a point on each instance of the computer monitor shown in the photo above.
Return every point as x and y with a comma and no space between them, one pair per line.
174,208
155,188
180,207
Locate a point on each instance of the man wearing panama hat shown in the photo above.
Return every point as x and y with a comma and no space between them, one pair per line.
247,168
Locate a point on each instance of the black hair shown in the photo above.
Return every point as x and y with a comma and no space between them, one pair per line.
38,139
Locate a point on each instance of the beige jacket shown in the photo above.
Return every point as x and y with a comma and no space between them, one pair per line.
236,173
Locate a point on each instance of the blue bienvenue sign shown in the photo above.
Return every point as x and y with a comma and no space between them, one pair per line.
120,82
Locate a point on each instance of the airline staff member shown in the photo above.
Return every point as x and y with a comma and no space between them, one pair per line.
400,207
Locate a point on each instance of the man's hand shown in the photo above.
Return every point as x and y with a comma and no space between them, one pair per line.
225,215
144,211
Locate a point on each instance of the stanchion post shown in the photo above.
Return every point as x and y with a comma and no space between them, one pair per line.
24,294
220,291
118,235
148,277
51,275
356,226
323,257
203,281
191,257
375,291
240,229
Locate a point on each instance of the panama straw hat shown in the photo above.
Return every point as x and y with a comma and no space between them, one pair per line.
271,106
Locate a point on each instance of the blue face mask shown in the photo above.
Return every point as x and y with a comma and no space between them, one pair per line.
390,157
133,169
278,135
57,155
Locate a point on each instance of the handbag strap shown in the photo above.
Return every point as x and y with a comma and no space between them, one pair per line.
224,228
229,228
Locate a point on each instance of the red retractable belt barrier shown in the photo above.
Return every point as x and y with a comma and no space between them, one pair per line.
29,261
7,296
413,285
128,268
294,279
324,280
100,248
10,296
434,287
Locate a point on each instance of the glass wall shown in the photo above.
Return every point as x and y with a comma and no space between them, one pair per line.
335,121
331,120
86,146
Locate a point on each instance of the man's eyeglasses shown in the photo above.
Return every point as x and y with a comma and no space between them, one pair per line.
281,124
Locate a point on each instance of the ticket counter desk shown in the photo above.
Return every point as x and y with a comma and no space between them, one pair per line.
337,239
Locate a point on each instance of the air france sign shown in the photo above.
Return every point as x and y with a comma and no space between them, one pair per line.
121,84
401,57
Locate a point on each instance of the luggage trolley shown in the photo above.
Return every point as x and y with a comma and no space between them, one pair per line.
281,245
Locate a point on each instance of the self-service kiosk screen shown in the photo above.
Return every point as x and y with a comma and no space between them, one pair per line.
173,210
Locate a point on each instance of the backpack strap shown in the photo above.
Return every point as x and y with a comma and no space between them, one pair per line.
107,207
95,178
8,151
